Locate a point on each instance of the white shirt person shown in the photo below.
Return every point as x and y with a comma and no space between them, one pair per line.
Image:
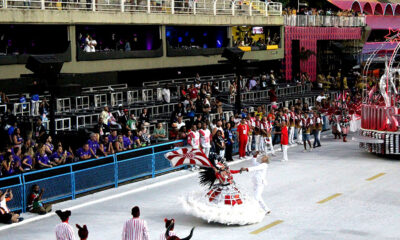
259,179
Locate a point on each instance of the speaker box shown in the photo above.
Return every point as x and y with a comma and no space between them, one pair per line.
232,54
44,64
68,90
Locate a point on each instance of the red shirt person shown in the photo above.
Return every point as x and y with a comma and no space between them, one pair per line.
284,140
243,131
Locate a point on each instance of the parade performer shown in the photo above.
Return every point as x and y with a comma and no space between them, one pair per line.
205,139
259,179
306,123
334,120
223,202
345,124
292,125
266,129
169,236
251,124
317,126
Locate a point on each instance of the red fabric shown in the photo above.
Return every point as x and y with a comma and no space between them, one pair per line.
243,129
193,93
272,95
284,136
383,22
242,146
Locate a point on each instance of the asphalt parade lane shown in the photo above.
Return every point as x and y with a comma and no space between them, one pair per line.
334,192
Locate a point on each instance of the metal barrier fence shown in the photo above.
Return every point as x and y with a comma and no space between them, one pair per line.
190,7
67,181
324,21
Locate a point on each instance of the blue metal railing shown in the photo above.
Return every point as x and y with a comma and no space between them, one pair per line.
67,181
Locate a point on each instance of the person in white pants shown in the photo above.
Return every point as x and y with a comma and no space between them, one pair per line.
251,124
257,136
267,139
292,124
205,139
259,179
284,141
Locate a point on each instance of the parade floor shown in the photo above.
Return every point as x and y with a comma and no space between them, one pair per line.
334,192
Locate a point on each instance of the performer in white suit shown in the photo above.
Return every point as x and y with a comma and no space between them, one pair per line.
260,179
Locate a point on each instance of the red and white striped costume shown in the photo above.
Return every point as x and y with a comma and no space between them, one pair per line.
64,231
267,139
171,233
135,229
194,139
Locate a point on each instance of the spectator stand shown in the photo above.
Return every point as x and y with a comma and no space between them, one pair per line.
70,180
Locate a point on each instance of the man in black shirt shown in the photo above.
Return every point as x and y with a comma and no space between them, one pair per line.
39,131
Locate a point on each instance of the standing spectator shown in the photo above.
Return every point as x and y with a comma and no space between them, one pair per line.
242,130
135,228
39,131
272,96
6,216
166,94
284,140
219,144
17,139
83,232
35,89
35,204
205,139
144,117
228,142
63,230
193,92
11,130
194,137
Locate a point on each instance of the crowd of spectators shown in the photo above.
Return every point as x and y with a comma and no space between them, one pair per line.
320,12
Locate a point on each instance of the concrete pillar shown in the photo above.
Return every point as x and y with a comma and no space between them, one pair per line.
164,39
229,36
72,39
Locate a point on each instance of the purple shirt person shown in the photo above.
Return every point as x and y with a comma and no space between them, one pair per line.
43,160
84,152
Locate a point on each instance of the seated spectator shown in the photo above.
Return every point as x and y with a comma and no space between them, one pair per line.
108,118
17,160
119,144
173,133
27,162
123,120
113,136
159,133
35,204
93,143
8,164
17,139
180,123
60,156
84,152
136,140
42,159
145,137
131,124
106,147
49,147
6,216
127,139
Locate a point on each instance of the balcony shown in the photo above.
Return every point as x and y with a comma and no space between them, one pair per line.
173,7
324,21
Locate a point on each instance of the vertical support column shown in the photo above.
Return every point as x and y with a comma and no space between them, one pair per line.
163,37
115,170
153,163
42,5
23,197
148,6
94,5
122,5
72,39
230,36
4,3
72,182
233,7
172,7
194,7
